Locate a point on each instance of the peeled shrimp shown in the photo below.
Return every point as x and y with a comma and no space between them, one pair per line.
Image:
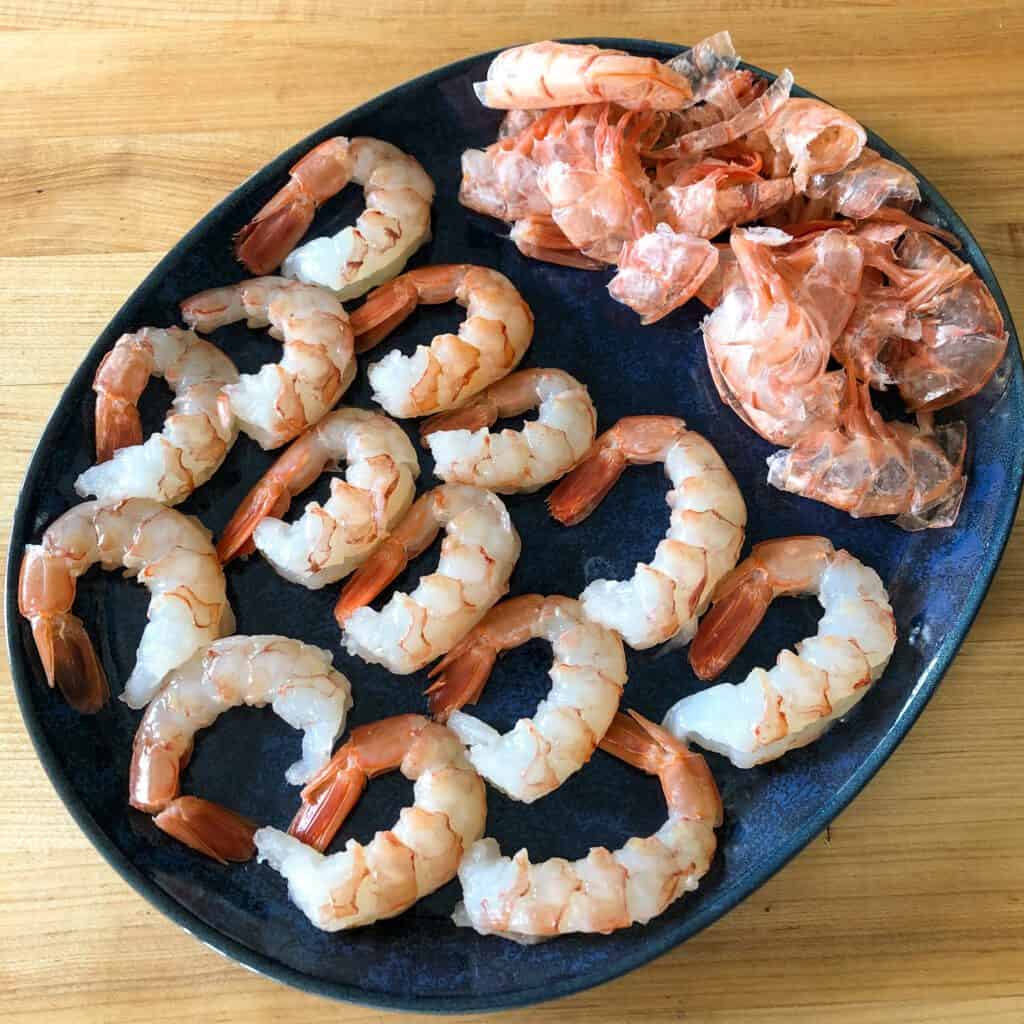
514,461
769,338
171,555
395,223
252,671
550,74
793,703
868,467
399,866
278,403
198,432
663,599
588,674
478,553
328,541
808,137
491,341
605,890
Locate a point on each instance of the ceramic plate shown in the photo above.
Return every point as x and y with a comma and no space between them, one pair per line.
419,960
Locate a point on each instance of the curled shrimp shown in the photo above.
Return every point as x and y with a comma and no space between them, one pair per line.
328,541
664,598
478,553
318,364
550,74
171,554
588,674
603,891
514,461
792,704
395,223
769,338
491,340
198,432
420,853
323,172
252,671
869,467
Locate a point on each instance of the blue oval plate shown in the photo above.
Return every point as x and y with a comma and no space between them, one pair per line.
419,960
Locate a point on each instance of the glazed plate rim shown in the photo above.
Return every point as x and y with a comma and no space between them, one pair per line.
654,947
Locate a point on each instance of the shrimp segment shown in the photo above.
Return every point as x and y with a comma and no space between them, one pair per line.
268,238
171,555
588,674
664,598
792,704
478,553
868,467
550,74
252,671
395,223
278,403
491,341
605,890
514,461
399,866
328,541
198,432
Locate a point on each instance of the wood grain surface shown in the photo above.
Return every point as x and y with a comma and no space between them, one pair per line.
121,124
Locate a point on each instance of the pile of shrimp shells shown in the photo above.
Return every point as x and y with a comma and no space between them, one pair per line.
571,308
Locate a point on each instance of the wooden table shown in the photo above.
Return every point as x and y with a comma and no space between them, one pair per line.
122,123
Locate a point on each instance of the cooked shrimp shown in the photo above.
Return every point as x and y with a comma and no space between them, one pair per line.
868,467
514,461
793,703
587,677
328,541
550,74
252,671
479,551
808,137
605,890
491,341
769,338
663,599
864,185
323,172
170,553
198,432
963,338
282,399
362,884
395,223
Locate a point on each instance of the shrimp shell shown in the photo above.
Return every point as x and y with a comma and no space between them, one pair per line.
478,553
282,399
588,675
792,704
252,671
171,554
515,461
395,223
366,883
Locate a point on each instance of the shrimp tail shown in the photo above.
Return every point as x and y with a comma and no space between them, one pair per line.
326,802
274,232
725,630
117,425
585,487
639,742
479,413
461,675
208,828
270,497
383,566
384,309
70,662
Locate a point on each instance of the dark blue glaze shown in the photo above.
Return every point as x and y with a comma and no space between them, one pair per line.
420,961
